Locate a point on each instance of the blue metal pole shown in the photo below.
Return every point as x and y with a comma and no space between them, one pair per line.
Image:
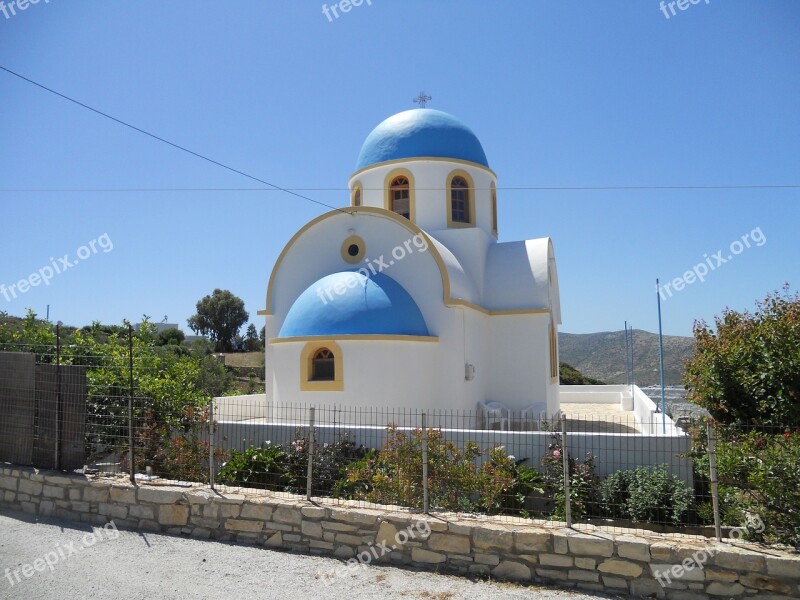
627,355
633,361
661,359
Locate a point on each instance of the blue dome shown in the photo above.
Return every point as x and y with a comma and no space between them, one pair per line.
348,303
418,133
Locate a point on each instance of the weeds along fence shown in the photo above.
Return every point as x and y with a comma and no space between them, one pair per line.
148,413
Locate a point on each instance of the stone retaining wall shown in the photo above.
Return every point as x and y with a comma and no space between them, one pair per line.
644,567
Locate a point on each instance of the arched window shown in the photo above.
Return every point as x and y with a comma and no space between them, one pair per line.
400,197
357,196
323,366
494,209
459,200
460,197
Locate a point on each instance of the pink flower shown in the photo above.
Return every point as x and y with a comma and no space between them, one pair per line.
556,453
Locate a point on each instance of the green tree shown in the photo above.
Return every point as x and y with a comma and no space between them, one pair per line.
170,337
569,375
747,371
219,316
251,341
29,335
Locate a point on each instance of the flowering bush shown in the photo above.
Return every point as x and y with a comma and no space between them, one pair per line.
759,474
746,371
285,468
584,482
455,481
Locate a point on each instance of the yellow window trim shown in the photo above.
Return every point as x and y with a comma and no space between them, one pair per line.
362,249
306,358
356,187
448,199
493,191
553,353
387,192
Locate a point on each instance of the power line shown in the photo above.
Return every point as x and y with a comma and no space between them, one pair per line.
294,191
160,139
589,188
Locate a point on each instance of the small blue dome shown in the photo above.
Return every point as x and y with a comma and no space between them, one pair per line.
349,303
418,133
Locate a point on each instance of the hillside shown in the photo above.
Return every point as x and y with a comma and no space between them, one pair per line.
598,356
602,356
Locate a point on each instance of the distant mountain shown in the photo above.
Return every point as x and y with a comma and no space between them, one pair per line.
602,356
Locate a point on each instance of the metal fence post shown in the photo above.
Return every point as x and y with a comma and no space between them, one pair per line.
310,470
211,429
130,404
425,497
59,416
565,459
712,468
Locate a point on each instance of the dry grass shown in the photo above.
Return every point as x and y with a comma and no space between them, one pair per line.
244,359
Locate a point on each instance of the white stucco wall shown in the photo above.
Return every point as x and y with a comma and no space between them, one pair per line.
519,359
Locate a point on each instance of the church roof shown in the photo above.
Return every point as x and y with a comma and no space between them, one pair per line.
350,303
522,275
419,133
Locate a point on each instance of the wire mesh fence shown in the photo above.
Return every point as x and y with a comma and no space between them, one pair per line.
145,413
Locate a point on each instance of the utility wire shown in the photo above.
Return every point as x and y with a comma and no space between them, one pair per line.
294,191
590,188
160,139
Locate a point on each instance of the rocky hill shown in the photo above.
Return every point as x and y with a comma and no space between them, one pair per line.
602,356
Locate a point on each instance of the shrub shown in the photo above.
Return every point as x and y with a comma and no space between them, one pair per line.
263,467
646,494
746,371
330,463
759,474
584,483
285,468
455,482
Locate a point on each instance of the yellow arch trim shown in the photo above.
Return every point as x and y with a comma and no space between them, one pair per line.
493,200
356,338
427,159
381,212
411,227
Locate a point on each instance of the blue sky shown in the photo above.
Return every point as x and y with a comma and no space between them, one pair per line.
561,94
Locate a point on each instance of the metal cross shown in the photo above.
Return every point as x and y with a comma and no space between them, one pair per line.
422,99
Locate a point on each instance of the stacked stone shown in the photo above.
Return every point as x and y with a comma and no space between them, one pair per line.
598,561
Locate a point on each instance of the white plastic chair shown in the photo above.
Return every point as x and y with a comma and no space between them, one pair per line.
494,413
535,413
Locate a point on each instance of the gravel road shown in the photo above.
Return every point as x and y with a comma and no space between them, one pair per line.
91,562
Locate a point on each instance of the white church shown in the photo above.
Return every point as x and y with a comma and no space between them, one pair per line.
406,298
